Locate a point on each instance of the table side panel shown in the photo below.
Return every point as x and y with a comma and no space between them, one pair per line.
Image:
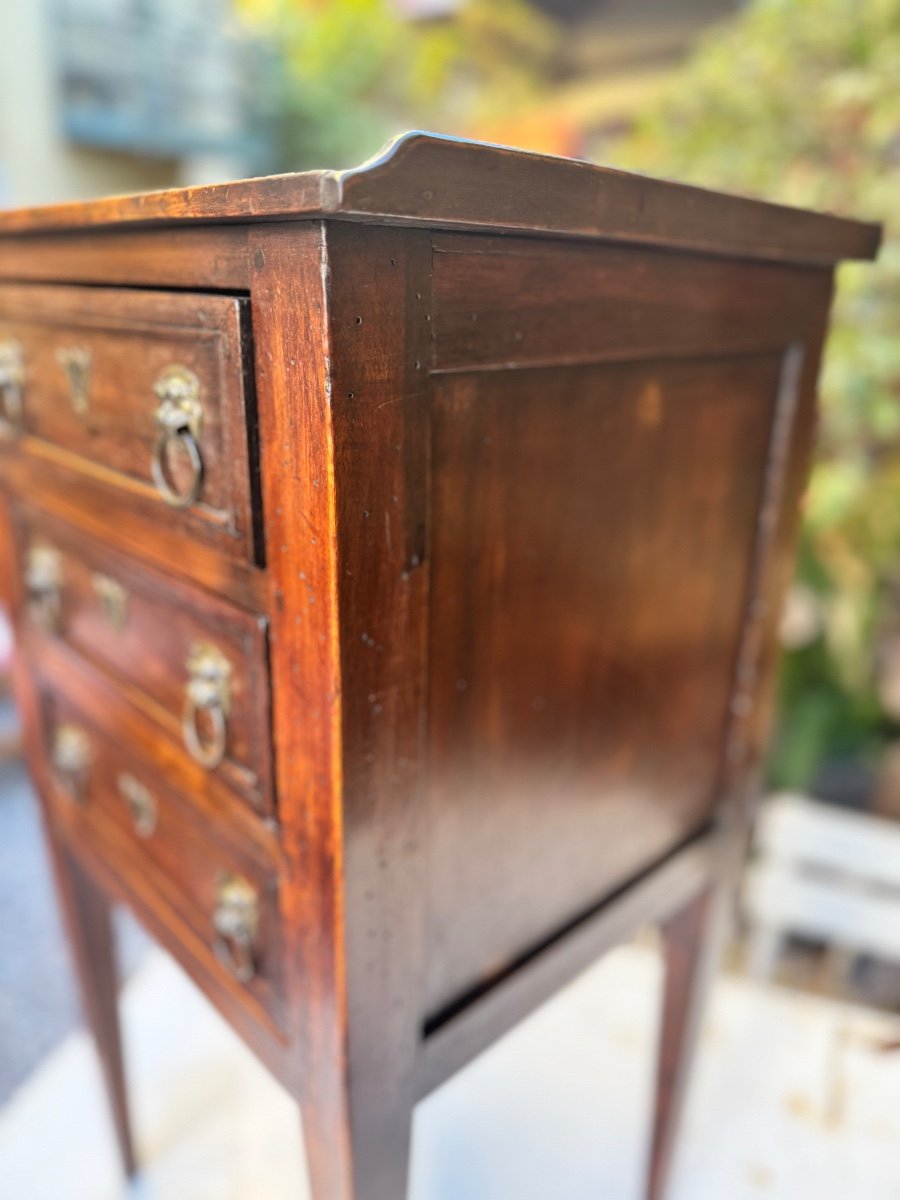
593,533
591,530
509,302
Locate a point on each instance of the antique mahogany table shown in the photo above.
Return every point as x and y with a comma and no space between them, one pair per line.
395,557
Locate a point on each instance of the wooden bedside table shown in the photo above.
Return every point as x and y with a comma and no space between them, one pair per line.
395,558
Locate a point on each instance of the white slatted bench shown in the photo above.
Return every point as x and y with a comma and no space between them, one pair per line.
823,873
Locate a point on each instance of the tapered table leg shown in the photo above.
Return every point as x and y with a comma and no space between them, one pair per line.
347,1163
691,945
88,920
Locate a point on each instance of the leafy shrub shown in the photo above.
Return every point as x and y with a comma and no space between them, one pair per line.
799,101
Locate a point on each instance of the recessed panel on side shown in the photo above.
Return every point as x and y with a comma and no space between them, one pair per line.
592,535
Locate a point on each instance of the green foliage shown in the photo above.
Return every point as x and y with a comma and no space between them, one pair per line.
331,77
337,79
799,101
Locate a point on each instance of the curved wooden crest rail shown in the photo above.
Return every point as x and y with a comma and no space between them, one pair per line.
395,557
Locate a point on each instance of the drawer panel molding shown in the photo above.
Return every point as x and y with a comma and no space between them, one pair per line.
196,664
225,889
143,394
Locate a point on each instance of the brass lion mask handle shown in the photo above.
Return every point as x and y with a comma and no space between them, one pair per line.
236,925
179,420
71,759
207,702
43,585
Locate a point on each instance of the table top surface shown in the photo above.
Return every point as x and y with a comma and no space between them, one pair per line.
429,180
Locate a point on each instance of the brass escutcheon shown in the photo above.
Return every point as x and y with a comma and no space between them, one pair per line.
141,804
76,362
113,600
12,382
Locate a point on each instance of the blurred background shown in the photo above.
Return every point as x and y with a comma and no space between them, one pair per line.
792,100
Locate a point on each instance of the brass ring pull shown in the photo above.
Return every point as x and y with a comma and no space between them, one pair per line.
183,438
236,925
179,418
208,692
208,753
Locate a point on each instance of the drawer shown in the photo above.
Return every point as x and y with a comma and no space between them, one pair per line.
194,663
218,895
143,396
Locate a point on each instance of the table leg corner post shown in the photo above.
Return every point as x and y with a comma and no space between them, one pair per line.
690,954
87,915
357,1156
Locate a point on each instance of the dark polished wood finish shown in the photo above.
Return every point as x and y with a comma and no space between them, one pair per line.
139,626
128,339
451,662
88,919
438,182
688,948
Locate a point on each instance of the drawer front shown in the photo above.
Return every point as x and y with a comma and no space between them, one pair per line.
221,893
193,662
143,393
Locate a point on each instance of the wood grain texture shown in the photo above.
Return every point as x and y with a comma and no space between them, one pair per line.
290,328
380,333
752,707
120,716
503,303
450,183
588,590
211,258
147,653
131,337
455,1041
689,959
27,469
107,865
181,863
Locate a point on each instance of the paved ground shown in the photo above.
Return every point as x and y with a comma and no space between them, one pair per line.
38,1004
795,1098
